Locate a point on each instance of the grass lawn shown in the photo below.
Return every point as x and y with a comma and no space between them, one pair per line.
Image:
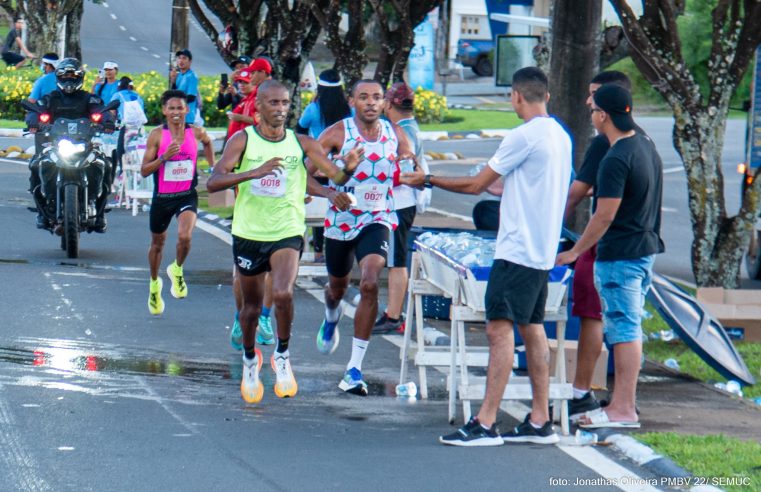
471,120
712,458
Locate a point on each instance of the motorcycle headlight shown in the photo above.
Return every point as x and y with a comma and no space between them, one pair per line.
68,149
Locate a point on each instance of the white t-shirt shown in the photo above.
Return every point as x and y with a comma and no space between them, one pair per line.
535,160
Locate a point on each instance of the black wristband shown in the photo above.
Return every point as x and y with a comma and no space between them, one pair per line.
427,183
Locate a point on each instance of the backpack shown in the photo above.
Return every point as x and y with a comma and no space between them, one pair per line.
133,114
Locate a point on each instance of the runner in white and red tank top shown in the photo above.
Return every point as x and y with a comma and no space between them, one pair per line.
362,231
170,156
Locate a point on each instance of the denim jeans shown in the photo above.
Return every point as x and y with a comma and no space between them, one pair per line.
622,286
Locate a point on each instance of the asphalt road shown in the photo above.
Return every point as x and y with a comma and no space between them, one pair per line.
96,394
676,229
136,35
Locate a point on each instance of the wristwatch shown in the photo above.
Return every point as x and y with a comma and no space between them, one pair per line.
427,182
162,159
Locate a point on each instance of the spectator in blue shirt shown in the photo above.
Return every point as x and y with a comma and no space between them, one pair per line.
329,105
47,83
184,79
127,96
106,84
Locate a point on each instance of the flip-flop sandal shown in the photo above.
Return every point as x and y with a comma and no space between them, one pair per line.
599,420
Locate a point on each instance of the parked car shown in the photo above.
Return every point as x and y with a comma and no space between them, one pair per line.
476,54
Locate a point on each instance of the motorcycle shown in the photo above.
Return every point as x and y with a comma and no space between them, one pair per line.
72,169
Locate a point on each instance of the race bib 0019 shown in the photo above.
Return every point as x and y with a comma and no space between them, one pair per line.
273,186
178,170
371,197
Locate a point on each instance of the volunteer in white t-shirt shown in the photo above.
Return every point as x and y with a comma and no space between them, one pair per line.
535,160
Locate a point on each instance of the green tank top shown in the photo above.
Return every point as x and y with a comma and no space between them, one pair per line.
271,208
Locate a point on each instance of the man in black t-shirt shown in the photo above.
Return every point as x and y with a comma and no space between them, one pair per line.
626,223
10,57
586,301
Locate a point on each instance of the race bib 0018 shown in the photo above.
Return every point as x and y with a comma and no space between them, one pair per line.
178,170
273,186
371,197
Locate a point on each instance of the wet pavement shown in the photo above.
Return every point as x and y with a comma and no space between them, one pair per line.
96,394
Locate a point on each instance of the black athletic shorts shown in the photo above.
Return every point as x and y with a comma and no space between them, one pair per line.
339,255
397,257
12,58
516,293
253,257
164,208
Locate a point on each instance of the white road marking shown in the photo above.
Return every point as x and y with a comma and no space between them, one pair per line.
675,169
215,231
450,214
144,48
65,448
113,16
15,161
122,28
105,5
21,469
669,209
132,38
156,56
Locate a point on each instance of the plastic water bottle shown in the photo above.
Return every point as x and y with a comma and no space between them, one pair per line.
721,386
406,390
735,388
407,166
671,364
432,336
585,438
667,335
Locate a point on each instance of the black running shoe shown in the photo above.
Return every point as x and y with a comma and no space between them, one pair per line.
579,406
385,325
525,432
473,434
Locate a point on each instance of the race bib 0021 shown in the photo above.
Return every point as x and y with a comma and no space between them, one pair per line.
178,170
371,197
273,186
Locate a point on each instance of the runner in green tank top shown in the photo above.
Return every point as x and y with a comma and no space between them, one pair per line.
266,163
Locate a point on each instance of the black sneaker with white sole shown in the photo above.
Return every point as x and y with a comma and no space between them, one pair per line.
525,432
473,434
580,406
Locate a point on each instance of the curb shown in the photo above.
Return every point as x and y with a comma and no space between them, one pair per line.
660,466
433,135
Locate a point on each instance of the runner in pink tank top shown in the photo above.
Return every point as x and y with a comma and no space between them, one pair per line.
178,173
170,156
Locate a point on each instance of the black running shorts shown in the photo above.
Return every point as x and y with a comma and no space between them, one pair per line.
163,209
339,255
516,293
397,257
253,257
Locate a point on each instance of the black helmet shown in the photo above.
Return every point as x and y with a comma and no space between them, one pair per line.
69,75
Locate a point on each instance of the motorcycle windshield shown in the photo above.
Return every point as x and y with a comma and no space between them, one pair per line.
78,131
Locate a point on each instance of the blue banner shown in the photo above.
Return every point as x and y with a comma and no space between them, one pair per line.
421,63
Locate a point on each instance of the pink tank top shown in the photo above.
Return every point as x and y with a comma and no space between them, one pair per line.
178,174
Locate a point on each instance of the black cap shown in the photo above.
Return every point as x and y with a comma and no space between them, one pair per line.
617,102
246,60
185,52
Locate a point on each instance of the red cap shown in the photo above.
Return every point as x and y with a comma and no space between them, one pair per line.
401,95
243,76
261,65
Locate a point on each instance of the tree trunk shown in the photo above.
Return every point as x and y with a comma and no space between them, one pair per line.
574,60
73,46
349,52
719,241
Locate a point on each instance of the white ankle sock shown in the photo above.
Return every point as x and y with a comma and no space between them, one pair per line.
358,349
332,315
579,393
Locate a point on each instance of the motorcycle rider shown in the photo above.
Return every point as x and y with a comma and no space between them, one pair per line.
68,101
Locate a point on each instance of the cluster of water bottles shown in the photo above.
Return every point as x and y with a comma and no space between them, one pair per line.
463,247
